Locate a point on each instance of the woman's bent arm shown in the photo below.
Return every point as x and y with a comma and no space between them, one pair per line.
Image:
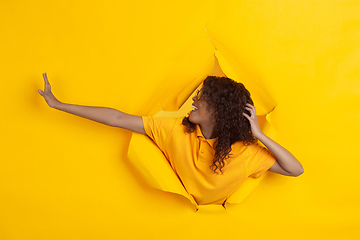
108,116
286,163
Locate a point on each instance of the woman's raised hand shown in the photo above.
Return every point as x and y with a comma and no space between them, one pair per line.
50,99
255,127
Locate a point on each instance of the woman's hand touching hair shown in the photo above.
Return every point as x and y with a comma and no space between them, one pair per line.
255,127
49,97
286,163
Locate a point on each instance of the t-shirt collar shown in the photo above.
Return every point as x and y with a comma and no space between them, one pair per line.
200,135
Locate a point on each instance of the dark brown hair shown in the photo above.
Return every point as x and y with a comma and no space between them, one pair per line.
228,100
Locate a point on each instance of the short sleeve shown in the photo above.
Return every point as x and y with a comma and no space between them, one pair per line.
159,128
260,161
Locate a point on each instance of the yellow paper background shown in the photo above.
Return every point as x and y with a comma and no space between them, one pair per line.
64,177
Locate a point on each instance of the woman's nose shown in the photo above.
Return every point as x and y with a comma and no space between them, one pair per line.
194,98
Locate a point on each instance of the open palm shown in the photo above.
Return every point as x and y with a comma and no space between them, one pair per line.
49,97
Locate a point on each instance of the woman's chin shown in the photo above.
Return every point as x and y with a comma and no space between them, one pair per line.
192,118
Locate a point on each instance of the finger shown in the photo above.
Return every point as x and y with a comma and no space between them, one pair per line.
247,116
250,106
47,84
250,110
45,77
41,92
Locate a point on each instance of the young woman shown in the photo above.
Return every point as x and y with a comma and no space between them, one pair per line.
214,149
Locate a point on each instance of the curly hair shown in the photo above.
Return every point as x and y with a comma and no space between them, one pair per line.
228,100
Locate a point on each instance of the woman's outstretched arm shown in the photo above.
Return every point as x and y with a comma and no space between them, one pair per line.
108,116
286,163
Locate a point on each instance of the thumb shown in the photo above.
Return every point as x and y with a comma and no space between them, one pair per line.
41,92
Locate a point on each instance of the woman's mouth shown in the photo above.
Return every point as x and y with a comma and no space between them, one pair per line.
195,108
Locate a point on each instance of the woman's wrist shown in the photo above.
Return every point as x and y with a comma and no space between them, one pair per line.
260,136
57,105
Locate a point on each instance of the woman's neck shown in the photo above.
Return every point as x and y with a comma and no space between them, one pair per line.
206,130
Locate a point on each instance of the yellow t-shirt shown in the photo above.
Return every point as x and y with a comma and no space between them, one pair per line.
190,156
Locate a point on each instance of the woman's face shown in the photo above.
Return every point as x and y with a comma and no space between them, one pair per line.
200,114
